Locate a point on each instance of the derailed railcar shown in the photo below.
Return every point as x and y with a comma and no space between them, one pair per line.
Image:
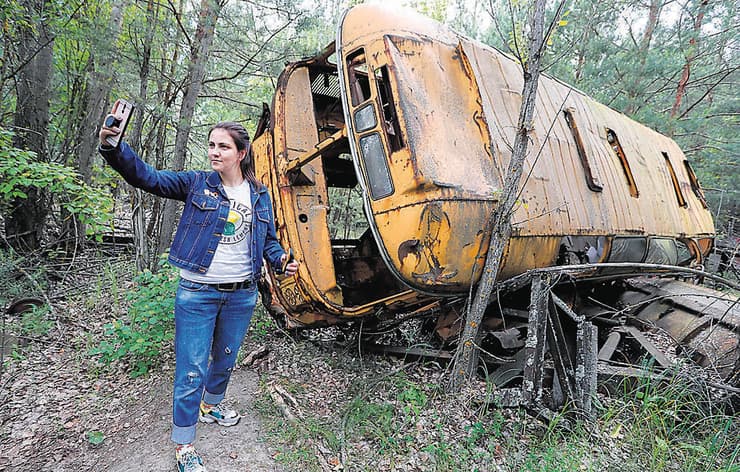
422,120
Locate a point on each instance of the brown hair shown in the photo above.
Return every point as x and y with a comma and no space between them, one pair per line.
241,140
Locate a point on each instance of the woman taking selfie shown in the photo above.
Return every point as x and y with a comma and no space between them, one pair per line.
225,231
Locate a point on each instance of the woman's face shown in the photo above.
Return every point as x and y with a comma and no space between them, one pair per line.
223,154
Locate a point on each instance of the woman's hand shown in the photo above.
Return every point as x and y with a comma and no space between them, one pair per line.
291,268
109,128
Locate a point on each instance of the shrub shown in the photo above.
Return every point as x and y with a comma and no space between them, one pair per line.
19,171
148,327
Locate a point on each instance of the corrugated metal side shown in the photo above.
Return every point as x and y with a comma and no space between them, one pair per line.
556,198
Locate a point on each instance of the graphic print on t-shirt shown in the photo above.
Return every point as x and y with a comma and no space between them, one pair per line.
237,224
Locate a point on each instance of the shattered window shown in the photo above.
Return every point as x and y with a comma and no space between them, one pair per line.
592,182
695,183
674,180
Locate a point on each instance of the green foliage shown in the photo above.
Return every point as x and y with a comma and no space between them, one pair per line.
148,327
95,438
35,322
436,9
411,399
371,420
346,216
17,279
261,324
397,420
19,170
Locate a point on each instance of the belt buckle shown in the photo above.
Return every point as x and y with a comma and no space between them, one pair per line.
228,287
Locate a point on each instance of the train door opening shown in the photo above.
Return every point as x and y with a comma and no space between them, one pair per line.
359,270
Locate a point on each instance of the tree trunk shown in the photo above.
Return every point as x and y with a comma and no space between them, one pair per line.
690,56
25,222
100,64
100,67
209,13
466,358
636,89
138,217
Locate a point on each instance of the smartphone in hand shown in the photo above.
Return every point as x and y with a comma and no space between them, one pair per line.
118,117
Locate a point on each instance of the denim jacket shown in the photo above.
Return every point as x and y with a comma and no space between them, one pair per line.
205,212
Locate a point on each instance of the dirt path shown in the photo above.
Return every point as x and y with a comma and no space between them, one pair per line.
50,414
145,444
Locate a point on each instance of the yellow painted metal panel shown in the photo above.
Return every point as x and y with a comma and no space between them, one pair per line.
305,206
523,253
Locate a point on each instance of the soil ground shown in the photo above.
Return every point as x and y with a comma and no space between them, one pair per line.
59,407
145,446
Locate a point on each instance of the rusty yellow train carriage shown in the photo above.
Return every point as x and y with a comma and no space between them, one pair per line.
422,120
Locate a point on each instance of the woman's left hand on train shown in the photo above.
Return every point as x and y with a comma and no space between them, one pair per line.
291,268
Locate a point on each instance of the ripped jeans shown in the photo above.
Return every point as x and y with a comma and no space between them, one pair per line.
209,325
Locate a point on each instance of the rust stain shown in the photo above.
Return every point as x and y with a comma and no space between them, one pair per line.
434,225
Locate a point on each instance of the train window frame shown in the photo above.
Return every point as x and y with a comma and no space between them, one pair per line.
616,146
592,181
674,179
661,251
695,187
358,77
627,249
686,251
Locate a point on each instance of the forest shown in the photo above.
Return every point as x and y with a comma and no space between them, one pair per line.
65,216
671,65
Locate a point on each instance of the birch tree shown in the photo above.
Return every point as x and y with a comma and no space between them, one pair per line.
530,58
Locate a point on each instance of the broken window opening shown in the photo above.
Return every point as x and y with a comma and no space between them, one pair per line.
385,94
674,180
695,187
359,83
592,182
327,102
684,253
613,140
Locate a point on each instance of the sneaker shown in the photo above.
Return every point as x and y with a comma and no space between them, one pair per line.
188,460
218,414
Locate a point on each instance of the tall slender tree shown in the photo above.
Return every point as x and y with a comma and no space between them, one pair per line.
530,58
200,50
25,223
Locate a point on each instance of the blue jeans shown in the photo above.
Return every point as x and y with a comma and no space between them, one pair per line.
208,324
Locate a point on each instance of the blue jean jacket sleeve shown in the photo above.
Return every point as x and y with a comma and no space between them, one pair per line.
164,183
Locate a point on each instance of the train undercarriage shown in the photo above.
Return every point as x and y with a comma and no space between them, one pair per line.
552,336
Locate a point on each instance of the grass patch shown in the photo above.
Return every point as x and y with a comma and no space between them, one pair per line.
373,420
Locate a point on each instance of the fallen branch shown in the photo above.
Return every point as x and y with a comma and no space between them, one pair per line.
280,403
256,354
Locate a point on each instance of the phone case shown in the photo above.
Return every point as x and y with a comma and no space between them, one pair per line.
124,108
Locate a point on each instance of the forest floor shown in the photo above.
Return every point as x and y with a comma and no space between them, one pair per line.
317,403
63,414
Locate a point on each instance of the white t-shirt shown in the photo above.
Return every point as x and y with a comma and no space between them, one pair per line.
232,261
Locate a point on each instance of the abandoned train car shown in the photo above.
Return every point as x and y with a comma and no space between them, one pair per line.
385,157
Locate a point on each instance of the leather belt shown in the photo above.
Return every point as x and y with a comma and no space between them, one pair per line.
233,286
